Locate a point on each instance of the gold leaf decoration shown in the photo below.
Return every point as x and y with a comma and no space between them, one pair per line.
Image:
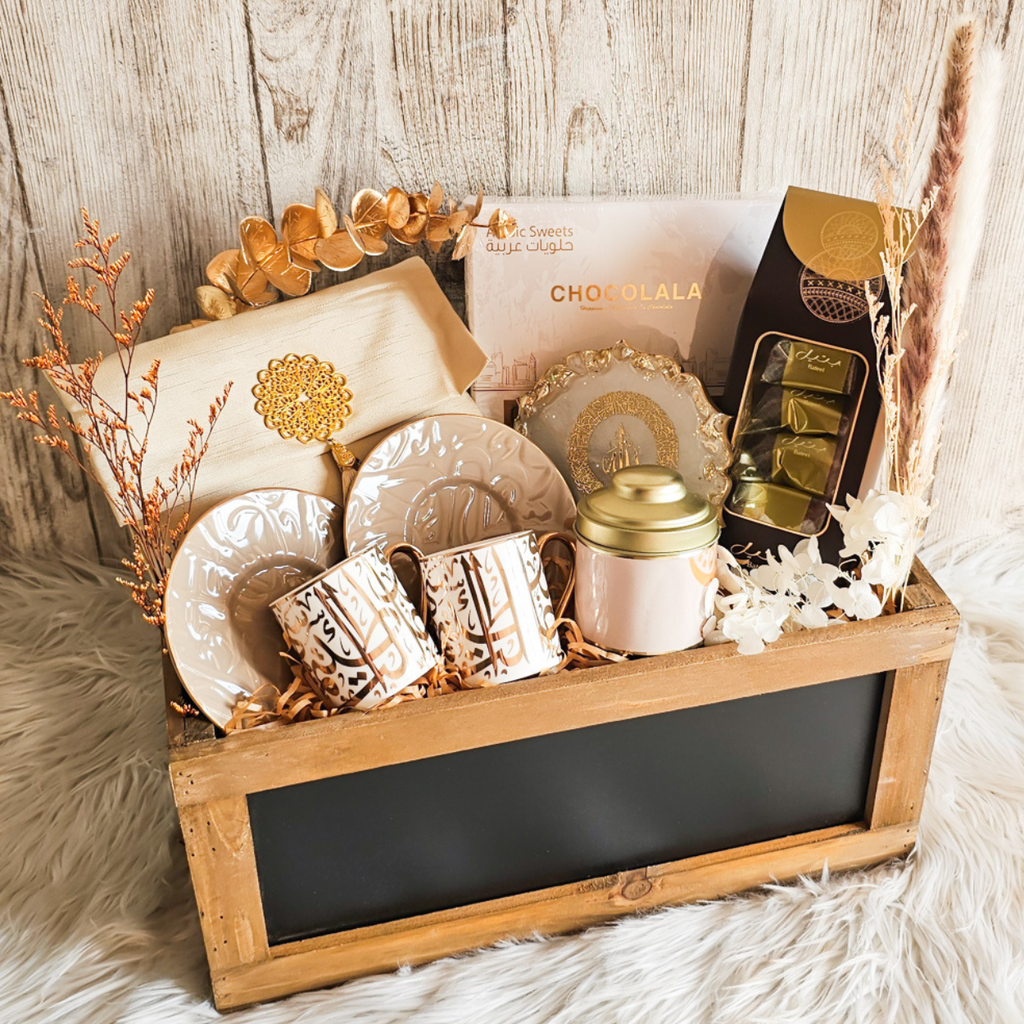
215,304
259,239
501,224
300,230
464,241
370,213
457,219
222,270
367,242
416,225
398,208
265,265
250,286
261,248
467,232
339,252
325,215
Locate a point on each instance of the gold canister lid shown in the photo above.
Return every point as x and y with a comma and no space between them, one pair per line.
646,511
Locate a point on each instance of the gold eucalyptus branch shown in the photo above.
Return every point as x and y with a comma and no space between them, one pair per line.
267,265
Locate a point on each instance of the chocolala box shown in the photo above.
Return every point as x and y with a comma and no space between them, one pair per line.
668,275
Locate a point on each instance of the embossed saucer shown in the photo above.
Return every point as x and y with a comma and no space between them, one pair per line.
239,557
602,410
444,481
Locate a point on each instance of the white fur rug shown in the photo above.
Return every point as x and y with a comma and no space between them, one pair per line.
97,922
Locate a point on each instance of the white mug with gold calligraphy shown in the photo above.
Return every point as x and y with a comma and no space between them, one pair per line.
490,604
356,632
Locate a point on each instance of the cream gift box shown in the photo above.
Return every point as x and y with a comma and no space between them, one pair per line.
393,334
668,275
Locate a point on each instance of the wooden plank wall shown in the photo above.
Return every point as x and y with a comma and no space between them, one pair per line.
173,120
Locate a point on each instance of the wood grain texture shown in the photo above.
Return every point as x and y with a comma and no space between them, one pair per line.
265,759
41,492
144,114
312,68
211,779
911,714
218,842
624,99
322,962
171,121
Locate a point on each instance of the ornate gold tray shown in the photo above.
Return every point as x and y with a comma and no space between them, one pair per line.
602,410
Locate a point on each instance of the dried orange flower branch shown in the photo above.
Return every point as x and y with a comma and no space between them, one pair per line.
106,429
266,265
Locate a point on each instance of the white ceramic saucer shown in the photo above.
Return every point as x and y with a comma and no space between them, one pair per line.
445,481
239,557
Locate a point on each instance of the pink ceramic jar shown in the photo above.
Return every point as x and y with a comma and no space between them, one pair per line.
645,563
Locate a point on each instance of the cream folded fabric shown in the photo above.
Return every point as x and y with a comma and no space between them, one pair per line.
392,333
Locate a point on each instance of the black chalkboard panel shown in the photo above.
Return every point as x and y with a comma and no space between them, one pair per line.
447,831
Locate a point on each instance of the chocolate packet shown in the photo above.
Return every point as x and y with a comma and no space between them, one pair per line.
802,364
807,463
776,506
800,410
807,299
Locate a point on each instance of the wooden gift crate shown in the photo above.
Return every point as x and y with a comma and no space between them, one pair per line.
346,846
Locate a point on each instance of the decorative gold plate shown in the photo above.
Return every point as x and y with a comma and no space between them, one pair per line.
601,410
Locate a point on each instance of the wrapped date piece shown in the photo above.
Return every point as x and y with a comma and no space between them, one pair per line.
802,364
808,463
775,505
800,410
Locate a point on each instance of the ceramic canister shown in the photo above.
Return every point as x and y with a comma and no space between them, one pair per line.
645,562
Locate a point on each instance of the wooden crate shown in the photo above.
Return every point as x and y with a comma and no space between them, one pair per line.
213,779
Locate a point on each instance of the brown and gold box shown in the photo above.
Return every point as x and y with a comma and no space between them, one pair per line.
804,362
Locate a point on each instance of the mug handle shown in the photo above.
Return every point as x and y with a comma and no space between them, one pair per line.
416,556
570,542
